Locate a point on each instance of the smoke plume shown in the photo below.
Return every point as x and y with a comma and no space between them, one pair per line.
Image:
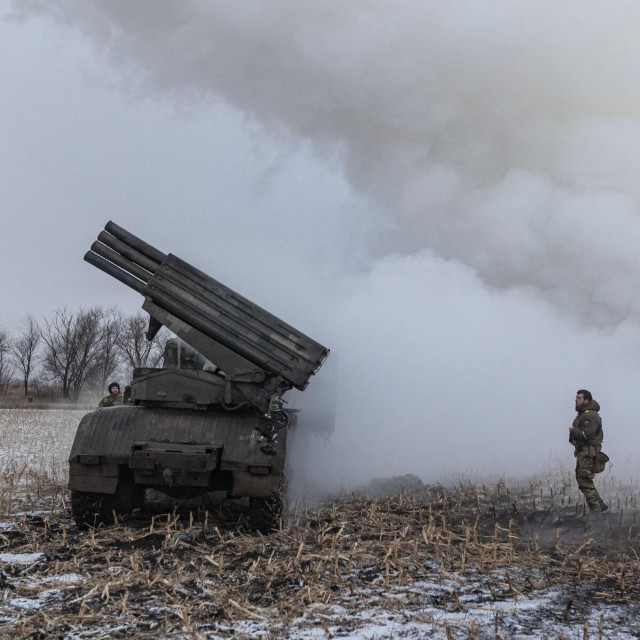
495,148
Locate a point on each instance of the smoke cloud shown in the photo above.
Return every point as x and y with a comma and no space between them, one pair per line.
492,267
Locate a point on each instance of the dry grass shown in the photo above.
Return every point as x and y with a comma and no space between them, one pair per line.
190,573
455,560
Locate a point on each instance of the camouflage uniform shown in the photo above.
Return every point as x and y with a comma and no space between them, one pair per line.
586,436
111,400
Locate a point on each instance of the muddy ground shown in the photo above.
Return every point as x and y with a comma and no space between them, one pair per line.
471,561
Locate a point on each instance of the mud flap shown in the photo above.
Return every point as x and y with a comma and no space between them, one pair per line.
93,479
255,486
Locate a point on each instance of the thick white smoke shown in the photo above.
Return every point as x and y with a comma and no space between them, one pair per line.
504,135
497,146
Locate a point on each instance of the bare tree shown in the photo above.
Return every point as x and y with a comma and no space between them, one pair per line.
132,342
6,366
24,351
72,347
108,357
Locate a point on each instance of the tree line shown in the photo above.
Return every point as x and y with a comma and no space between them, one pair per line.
76,350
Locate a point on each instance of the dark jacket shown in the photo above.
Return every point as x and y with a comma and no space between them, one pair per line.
586,430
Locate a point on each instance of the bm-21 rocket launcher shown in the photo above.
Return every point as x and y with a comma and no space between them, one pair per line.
212,419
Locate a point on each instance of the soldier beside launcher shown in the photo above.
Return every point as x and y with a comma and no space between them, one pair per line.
585,434
114,398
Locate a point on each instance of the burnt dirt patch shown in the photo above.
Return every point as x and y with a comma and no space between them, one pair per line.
462,562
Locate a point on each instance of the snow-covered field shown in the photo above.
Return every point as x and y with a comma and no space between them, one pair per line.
442,563
38,440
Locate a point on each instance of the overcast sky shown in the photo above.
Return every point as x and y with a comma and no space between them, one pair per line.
445,194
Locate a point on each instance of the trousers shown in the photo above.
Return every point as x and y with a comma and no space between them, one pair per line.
584,477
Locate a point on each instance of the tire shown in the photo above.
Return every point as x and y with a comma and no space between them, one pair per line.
93,509
265,514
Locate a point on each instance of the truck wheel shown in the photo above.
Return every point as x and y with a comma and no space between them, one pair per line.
92,509
265,514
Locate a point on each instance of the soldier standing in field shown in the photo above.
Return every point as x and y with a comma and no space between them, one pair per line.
585,434
114,397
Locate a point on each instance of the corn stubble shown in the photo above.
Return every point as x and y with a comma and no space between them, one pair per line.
196,573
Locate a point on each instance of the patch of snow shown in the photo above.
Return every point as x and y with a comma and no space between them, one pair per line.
20,558
64,578
31,604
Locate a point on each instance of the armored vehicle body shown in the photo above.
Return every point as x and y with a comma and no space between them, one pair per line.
212,418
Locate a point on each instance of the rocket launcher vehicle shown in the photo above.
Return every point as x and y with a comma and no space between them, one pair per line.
254,357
